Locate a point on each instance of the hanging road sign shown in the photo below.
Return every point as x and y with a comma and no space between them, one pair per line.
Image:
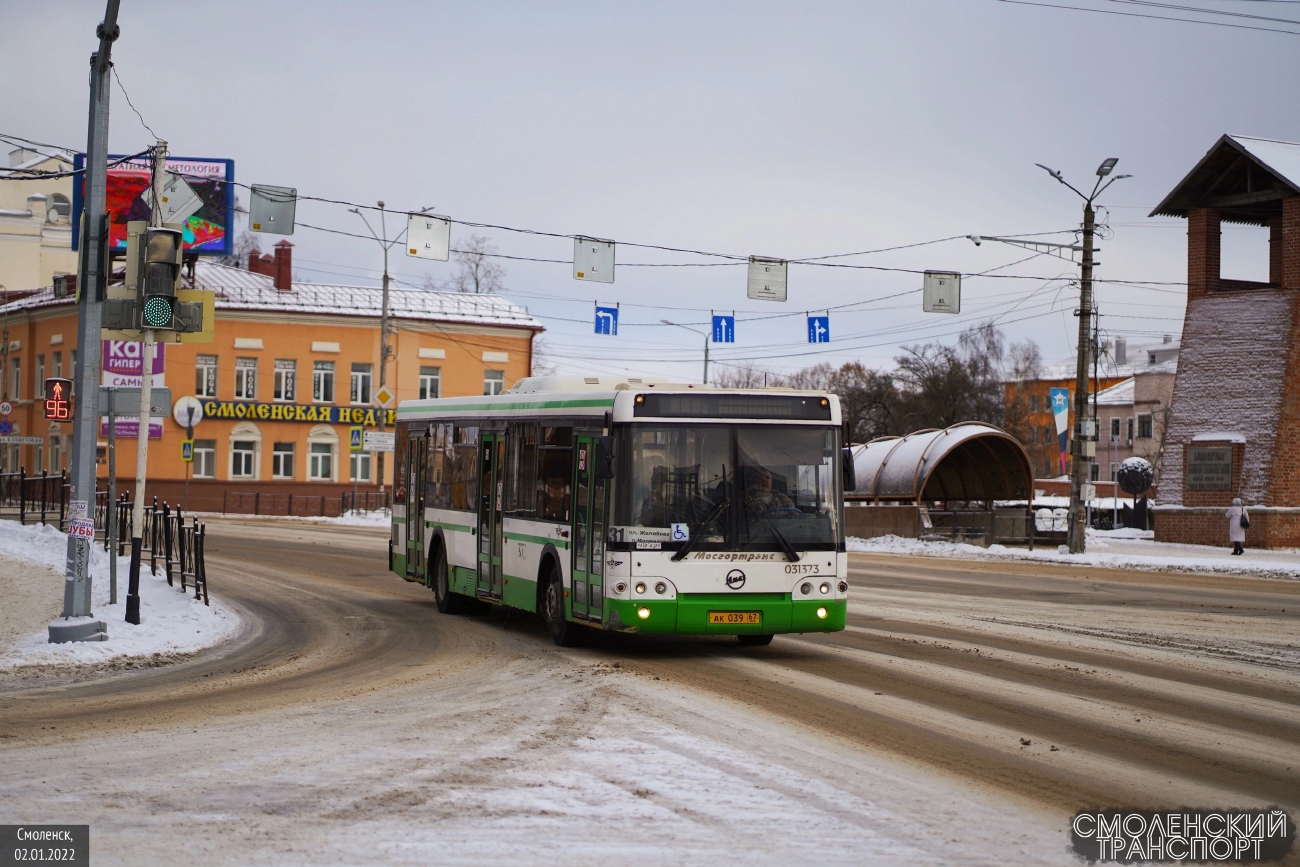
187,451
593,260
819,329
607,321
6,407
383,396
724,329
179,201
354,438
428,237
767,278
272,209
378,441
188,411
942,292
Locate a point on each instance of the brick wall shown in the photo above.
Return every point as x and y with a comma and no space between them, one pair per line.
1209,526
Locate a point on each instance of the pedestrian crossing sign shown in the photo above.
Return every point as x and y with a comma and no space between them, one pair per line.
187,451
354,436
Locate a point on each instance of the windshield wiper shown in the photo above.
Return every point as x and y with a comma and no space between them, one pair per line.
695,528
791,554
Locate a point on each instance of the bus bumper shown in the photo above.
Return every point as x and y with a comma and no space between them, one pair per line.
689,614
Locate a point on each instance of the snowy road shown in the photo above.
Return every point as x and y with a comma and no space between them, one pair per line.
966,713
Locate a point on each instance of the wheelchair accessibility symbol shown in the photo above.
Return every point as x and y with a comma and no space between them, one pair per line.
681,532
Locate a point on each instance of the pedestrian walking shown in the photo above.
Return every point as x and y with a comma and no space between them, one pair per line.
1238,521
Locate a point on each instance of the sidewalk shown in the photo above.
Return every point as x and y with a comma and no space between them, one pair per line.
1115,549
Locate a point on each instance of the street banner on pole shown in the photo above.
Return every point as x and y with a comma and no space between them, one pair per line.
1061,413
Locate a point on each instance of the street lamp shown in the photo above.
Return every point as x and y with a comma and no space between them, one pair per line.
387,245
1083,443
703,334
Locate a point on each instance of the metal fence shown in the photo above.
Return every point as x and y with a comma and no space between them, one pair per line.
978,527
301,505
34,499
165,537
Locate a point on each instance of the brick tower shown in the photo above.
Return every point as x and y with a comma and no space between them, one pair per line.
1234,427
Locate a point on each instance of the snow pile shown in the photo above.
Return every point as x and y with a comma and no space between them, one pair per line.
172,622
1111,549
360,518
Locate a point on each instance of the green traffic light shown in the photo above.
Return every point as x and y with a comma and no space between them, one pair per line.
157,312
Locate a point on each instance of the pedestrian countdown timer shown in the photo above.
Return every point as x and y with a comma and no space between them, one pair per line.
58,399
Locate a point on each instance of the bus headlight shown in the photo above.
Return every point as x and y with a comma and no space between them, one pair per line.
644,613
661,588
825,588
821,613
620,587
640,587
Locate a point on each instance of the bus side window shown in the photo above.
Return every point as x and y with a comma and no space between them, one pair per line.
464,472
432,467
555,473
400,464
442,445
521,493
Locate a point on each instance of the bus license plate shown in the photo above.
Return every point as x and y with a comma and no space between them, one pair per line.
736,618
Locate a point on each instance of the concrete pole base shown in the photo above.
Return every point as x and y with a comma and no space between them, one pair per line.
77,629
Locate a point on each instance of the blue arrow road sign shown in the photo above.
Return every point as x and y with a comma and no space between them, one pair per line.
819,329
724,329
607,321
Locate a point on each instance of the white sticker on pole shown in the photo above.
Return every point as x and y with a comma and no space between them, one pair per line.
82,528
767,278
428,237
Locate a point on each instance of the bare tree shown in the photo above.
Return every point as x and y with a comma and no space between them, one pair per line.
746,376
543,363
475,271
1025,360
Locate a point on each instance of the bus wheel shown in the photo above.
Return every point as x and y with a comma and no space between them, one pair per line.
563,633
754,640
446,601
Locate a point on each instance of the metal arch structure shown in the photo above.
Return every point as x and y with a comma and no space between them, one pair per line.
967,462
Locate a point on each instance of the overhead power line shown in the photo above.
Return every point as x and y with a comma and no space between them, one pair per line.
1148,15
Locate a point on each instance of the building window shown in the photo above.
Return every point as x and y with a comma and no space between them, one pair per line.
40,375
282,460
286,371
242,453
205,459
245,379
361,382
1094,472
1144,426
56,449
1130,430
1033,435
38,455
1114,471
430,382
494,381
58,365
322,382
1033,403
360,466
1114,429
205,376
1048,434
321,468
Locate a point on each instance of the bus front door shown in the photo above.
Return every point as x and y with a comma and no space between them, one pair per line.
414,481
588,533
492,453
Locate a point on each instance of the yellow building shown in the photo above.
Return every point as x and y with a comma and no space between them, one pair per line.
291,373
35,222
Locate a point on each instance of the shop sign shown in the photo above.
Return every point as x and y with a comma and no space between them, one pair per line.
316,414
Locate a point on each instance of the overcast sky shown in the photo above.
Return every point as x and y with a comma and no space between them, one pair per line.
779,129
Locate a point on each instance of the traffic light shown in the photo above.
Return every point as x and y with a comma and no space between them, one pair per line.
155,254
58,399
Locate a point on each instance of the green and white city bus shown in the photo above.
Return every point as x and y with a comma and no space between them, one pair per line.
623,505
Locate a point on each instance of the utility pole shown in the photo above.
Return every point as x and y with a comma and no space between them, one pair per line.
705,335
1083,442
146,387
92,279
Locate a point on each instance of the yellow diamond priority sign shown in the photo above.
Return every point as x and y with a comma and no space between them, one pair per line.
383,397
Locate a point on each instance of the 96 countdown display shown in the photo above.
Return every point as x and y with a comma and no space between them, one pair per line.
58,399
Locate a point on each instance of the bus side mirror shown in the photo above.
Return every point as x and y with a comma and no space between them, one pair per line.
605,457
850,475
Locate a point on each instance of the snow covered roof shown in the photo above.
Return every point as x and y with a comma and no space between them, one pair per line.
1219,436
1118,395
31,162
1244,177
238,289
1139,360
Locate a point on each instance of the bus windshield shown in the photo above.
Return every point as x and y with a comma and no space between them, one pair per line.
738,487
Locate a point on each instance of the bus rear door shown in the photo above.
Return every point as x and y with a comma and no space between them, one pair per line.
415,470
588,533
492,451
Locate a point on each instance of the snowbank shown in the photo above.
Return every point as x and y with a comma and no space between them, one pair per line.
375,518
1112,549
172,622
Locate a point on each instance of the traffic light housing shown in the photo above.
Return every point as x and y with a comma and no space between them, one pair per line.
153,273
58,399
